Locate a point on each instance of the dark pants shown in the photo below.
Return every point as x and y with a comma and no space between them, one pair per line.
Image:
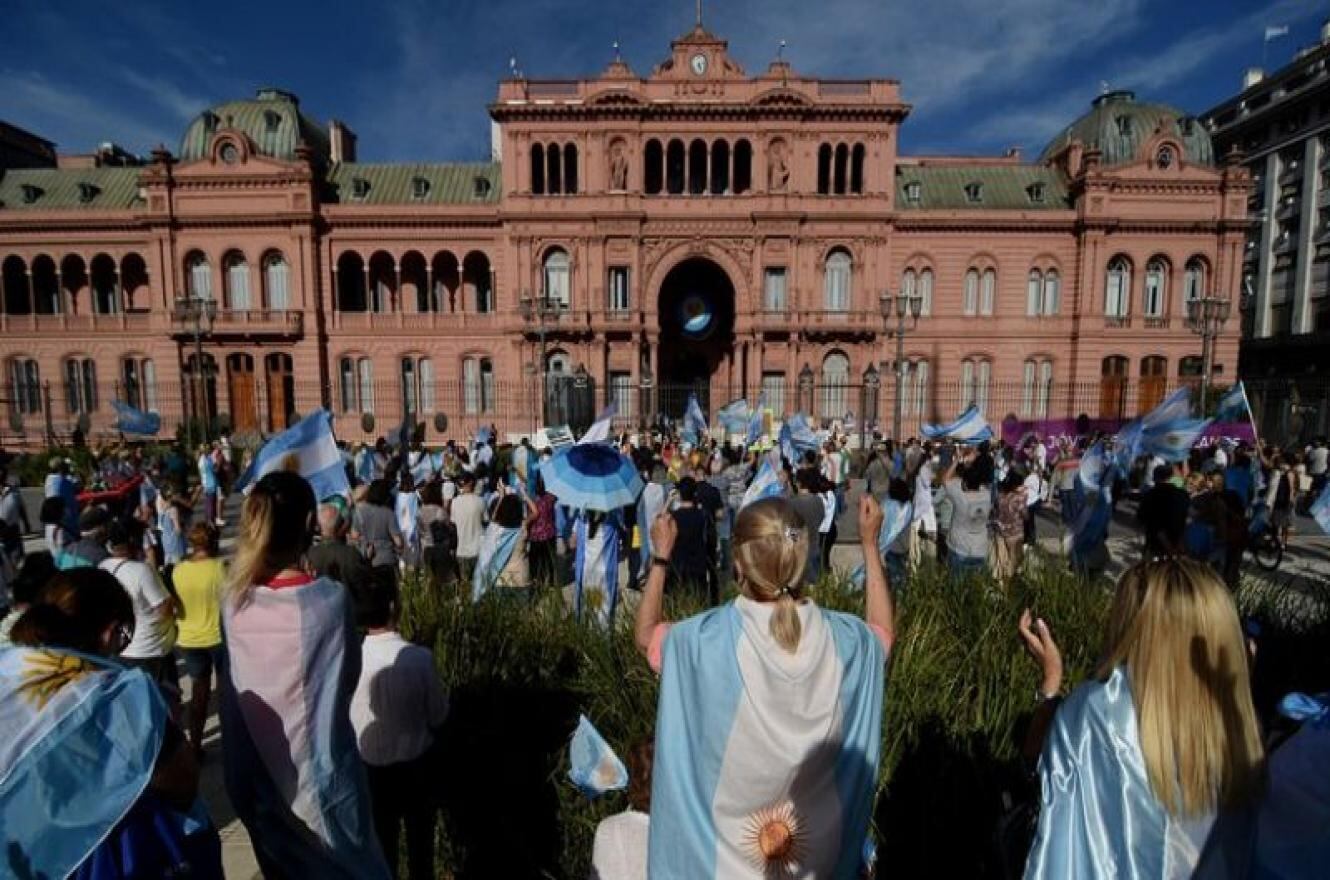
544,559
398,798
1031,520
828,541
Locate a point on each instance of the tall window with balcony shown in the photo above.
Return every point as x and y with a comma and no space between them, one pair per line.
773,289
1042,293
80,385
105,280
558,279
199,276
1117,290
237,283
25,386
835,386
276,282
1156,284
1193,280
836,282
139,379
618,289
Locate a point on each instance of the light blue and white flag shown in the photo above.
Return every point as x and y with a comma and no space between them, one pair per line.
407,508
1233,405
766,484
896,516
308,448
755,419
694,422
1091,470
969,427
594,768
1320,509
135,421
496,548
599,432
596,566
734,416
796,437
423,469
1173,440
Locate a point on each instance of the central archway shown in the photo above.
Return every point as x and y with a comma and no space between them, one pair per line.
696,331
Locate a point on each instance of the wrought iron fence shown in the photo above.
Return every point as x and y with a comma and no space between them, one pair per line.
39,414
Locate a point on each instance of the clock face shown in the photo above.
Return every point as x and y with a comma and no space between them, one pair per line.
699,64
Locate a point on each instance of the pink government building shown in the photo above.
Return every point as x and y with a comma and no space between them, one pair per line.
634,239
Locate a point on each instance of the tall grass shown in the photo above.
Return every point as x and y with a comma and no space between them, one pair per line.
958,690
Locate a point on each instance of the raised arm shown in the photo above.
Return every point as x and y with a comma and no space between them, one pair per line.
879,608
650,610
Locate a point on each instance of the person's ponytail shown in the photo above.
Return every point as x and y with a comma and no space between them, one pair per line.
249,565
786,627
771,549
276,525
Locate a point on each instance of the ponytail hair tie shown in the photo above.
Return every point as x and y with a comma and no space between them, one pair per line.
792,534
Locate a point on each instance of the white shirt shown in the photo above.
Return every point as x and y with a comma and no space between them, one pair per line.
620,850
1034,488
397,702
923,491
153,636
468,514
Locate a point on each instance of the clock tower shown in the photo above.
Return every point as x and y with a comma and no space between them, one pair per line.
699,55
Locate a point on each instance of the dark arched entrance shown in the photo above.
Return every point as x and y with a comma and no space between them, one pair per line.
696,332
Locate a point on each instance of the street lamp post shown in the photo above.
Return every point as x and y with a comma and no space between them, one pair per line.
200,313
646,381
1206,316
906,307
872,382
540,310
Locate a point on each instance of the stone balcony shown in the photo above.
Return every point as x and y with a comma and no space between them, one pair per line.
437,322
61,325
243,322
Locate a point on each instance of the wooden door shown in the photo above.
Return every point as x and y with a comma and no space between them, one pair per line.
1113,388
1154,377
240,378
281,391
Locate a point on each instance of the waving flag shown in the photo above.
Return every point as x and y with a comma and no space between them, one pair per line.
734,416
308,448
1320,509
1173,440
423,469
896,516
970,427
1233,405
1091,470
767,482
755,418
496,548
596,567
599,432
595,769
797,437
694,422
135,421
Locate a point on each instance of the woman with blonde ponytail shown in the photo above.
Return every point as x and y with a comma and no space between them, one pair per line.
769,723
292,768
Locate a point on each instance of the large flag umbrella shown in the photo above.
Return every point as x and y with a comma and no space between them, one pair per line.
592,476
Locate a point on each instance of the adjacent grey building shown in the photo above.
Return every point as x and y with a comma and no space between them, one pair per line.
1281,125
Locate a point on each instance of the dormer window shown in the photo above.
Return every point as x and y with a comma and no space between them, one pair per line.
481,187
913,192
359,187
1124,126
419,187
974,193
210,121
87,192
31,193
271,120
1035,193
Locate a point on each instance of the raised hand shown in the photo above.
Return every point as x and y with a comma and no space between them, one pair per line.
1040,645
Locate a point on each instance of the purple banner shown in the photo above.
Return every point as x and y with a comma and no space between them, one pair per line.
1053,431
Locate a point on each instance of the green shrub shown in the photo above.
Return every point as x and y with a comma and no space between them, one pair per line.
958,690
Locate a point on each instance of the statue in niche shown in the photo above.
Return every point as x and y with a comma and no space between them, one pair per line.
778,168
618,167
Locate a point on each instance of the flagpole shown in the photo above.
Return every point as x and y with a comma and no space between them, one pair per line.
1251,416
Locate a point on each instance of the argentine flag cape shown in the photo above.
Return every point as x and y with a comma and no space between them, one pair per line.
1099,816
596,566
744,728
293,770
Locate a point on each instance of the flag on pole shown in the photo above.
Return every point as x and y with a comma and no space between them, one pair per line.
135,421
1233,405
754,431
1275,31
599,432
694,422
796,437
308,448
970,427
734,416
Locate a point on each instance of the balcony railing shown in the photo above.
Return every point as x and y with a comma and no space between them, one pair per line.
1117,322
440,321
122,322
830,321
1156,322
244,322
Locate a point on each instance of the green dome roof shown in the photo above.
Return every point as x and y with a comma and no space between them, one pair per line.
272,120
1119,126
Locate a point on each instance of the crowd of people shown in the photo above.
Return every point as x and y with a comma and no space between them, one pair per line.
769,723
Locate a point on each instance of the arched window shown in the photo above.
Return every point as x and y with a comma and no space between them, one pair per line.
276,282
720,167
365,369
1052,292
836,283
105,286
410,390
653,168
199,284
1034,293
1156,281
382,282
477,385
558,278
675,167
139,376
237,282
987,292
348,389
25,383
1117,291
45,286
1193,280
351,280
553,170
743,167
538,169
14,279
975,376
916,388
909,283
841,174
1036,380
425,373
970,293
570,169
857,169
447,279
824,169
477,277
697,167
1045,388
926,291
835,385
80,385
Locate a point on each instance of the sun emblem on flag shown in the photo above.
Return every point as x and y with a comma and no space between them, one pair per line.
45,673
774,840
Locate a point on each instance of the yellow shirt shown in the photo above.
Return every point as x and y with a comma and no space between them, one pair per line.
198,585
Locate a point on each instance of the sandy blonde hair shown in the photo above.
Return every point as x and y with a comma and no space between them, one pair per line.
1174,626
275,530
770,550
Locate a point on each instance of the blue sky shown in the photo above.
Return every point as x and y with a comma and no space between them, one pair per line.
412,78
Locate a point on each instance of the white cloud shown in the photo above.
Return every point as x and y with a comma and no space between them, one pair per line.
168,95
64,114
